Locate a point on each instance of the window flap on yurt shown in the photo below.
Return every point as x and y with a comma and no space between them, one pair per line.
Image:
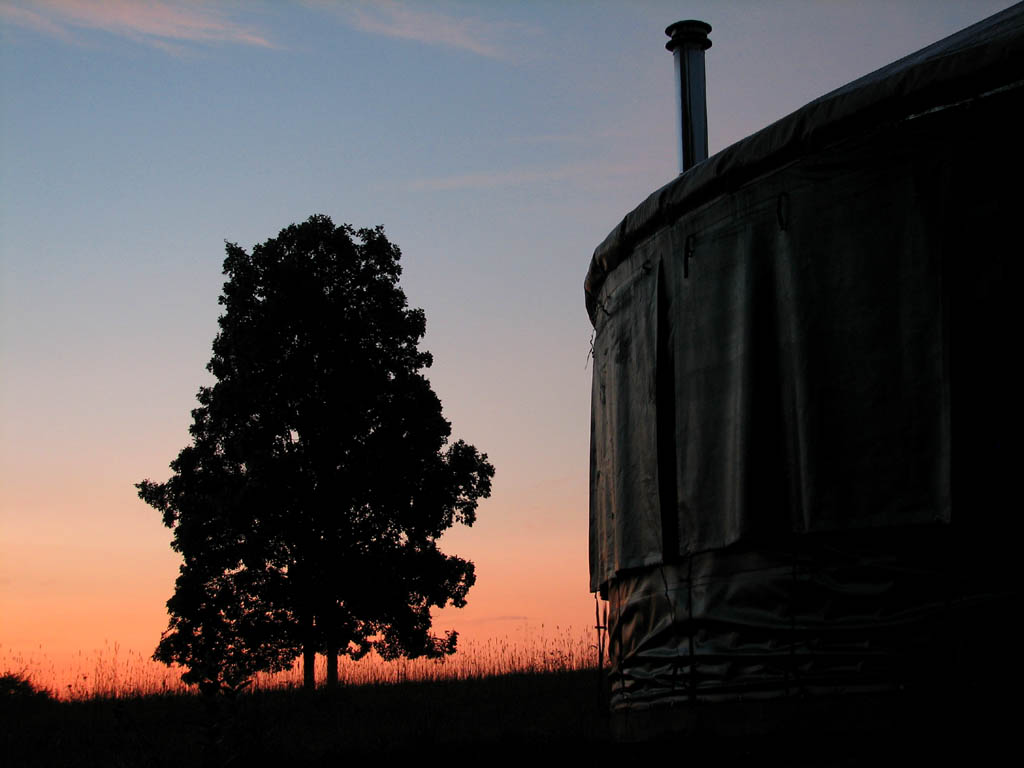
624,499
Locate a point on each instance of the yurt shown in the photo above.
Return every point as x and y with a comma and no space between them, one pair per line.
804,411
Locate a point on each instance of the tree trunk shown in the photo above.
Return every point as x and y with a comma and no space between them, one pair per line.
329,631
308,668
308,630
332,667
309,656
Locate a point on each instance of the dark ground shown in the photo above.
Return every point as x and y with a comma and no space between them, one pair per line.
521,716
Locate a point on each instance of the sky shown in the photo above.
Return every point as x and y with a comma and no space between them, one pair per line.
497,143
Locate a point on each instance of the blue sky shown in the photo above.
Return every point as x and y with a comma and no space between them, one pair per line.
498,143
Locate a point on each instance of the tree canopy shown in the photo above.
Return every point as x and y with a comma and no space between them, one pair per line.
320,473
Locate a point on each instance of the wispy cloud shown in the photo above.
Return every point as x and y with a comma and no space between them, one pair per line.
395,19
549,138
487,180
588,135
517,177
157,23
24,17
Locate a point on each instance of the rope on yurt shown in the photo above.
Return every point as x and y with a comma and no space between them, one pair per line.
790,669
676,660
619,674
691,628
600,654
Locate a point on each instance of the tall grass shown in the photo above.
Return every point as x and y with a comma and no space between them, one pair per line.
109,672
114,673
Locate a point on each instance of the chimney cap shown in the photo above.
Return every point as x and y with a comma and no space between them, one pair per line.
689,31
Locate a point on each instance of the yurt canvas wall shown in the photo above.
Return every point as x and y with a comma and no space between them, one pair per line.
803,412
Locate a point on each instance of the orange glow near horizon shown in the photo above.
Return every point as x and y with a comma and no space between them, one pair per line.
87,604
115,671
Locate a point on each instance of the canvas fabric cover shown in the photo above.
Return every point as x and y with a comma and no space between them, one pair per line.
830,615
788,336
816,615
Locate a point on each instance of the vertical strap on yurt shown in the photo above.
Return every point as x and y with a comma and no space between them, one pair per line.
690,629
665,416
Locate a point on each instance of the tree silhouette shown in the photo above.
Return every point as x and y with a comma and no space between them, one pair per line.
320,474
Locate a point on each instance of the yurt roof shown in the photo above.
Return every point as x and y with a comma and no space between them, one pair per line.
985,57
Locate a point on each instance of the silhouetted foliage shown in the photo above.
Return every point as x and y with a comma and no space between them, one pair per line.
320,473
16,686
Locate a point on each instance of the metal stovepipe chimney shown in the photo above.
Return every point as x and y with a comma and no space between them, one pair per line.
688,43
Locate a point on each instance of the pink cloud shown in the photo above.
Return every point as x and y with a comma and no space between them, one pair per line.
393,19
156,23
